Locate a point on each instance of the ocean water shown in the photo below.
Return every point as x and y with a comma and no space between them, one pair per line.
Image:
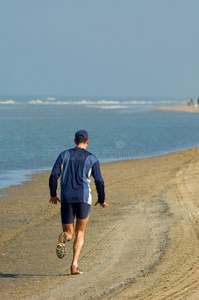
33,131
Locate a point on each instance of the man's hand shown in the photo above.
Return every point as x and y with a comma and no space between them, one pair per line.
101,204
54,200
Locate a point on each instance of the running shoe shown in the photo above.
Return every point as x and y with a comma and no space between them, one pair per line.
61,246
75,270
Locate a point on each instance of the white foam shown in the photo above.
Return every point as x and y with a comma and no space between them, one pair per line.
106,102
84,102
50,99
38,101
138,102
100,103
8,102
108,106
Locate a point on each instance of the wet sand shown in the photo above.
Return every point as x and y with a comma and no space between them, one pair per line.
183,108
145,245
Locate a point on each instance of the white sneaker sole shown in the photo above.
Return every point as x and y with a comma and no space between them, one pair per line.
61,247
61,250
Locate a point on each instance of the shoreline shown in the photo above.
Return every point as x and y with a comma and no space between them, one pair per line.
27,174
22,175
150,227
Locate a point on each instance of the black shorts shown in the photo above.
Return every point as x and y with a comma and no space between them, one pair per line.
70,210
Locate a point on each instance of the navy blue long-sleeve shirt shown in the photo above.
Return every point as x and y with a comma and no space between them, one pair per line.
75,166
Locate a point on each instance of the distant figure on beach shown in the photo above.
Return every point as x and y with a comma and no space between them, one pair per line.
192,101
198,102
75,166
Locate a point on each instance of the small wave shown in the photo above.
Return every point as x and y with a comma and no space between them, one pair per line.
8,102
82,102
38,101
88,102
151,102
136,102
108,106
104,103
50,99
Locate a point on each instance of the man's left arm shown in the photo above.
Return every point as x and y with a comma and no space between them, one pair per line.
56,171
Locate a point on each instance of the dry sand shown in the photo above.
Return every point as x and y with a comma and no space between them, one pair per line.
145,245
183,108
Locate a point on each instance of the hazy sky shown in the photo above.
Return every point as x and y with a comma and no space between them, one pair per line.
135,48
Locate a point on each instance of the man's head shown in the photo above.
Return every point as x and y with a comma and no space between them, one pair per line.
81,137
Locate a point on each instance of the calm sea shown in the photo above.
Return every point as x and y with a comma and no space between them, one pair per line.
33,131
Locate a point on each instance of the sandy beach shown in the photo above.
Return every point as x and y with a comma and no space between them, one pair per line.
183,108
143,246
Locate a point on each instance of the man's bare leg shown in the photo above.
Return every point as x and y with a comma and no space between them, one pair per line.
66,235
68,229
79,239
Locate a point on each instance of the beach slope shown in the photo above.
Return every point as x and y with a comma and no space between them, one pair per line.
183,108
143,246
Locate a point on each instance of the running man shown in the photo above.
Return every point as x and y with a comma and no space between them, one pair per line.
75,166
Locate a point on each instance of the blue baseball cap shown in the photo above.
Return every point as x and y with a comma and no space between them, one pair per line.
84,133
